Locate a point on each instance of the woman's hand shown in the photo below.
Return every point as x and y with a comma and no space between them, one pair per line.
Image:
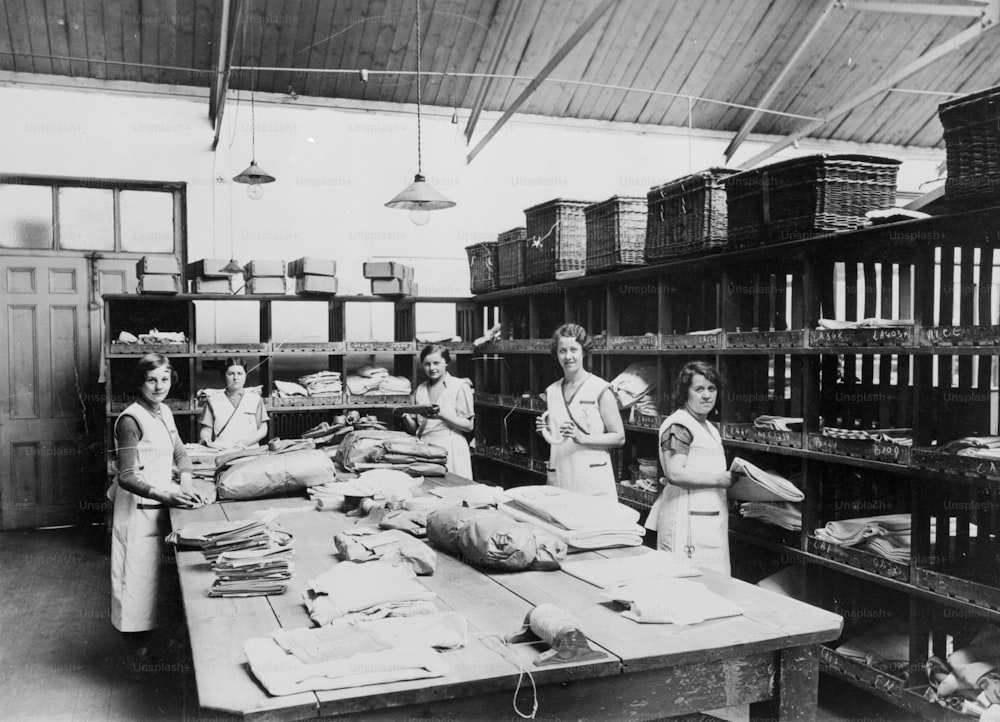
543,428
724,479
184,498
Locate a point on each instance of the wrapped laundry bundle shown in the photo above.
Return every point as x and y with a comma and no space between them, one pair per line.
752,483
443,526
486,537
407,450
393,546
274,474
357,446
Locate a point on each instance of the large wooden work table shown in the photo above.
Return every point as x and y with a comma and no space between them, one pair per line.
768,657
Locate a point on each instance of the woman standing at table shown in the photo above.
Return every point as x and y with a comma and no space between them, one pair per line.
235,418
455,415
690,515
582,420
149,453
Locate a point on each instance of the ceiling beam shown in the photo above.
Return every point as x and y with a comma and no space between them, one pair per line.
568,46
220,79
967,35
484,88
765,101
968,11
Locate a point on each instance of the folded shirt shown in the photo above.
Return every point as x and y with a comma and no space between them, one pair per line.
850,532
754,484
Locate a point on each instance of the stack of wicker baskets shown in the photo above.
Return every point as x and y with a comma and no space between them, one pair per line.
510,258
616,233
972,144
557,240
687,215
484,271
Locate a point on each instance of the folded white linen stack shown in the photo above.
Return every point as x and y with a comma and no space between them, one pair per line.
581,521
785,514
671,601
754,484
887,535
779,423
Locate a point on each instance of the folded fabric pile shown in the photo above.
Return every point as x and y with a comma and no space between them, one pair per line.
377,381
785,514
835,325
489,538
355,654
579,520
969,682
887,536
634,384
671,601
751,483
778,423
408,450
392,546
885,647
322,383
902,437
355,591
202,460
155,336
985,447
288,389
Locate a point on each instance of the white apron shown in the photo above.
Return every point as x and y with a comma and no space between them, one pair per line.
573,466
693,524
137,535
229,425
437,432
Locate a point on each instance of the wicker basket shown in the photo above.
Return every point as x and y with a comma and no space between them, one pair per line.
510,258
616,233
484,273
803,197
557,240
687,215
972,147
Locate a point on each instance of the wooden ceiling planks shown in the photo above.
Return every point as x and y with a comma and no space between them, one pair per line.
204,30
312,41
131,41
527,19
466,33
347,31
546,36
487,33
114,47
8,56
57,31
381,87
267,43
173,23
183,45
76,36
377,36
284,51
436,27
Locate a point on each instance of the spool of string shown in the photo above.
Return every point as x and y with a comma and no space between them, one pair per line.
552,624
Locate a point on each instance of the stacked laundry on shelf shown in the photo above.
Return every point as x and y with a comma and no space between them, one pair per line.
835,325
377,381
902,437
887,535
322,383
987,447
785,514
579,520
778,423
355,654
751,483
969,681
885,647
155,336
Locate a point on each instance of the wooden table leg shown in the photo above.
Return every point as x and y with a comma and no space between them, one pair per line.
796,688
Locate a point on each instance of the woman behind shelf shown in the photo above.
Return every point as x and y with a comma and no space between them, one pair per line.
582,420
235,418
150,454
455,414
690,515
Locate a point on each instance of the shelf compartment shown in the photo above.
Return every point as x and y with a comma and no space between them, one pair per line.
173,404
308,346
860,449
377,400
860,559
382,346
950,336
931,459
670,341
134,349
765,339
757,529
230,348
295,401
757,435
524,344
890,336
647,421
638,499
973,592
634,343
487,398
451,345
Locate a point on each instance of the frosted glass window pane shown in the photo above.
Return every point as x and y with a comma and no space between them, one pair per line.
147,219
87,219
25,216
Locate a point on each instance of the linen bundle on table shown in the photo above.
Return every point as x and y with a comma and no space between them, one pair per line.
355,591
486,537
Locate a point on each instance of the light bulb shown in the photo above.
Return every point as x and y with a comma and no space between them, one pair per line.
255,191
419,217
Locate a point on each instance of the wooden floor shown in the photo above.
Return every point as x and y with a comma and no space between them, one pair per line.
60,658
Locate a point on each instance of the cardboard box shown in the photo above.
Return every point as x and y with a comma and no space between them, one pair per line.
159,283
388,269
266,285
324,285
213,285
208,268
312,267
393,287
269,269
158,264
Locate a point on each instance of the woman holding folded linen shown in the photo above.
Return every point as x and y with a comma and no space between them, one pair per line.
149,454
455,415
582,420
690,514
234,418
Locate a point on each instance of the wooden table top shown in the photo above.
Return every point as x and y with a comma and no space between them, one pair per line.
494,603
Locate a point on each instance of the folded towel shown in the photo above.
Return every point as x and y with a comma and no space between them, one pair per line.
754,484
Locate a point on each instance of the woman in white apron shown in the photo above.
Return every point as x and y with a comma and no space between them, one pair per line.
455,416
582,420
149,452
235,418
690,515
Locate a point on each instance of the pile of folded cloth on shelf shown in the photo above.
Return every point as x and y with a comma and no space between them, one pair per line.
887,536
835,325
347,654
785,514
155,336
969,681
249,557
987,447
579,520
902,437
635,386
377,381
778,423
322,383
885,647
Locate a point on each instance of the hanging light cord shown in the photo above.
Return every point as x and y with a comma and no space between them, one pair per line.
253,122
419,154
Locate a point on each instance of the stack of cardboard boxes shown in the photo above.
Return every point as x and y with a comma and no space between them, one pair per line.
265,278
314,276
159,274
390,278
208,276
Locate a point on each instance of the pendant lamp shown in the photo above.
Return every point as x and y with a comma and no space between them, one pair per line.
254,176
419,197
